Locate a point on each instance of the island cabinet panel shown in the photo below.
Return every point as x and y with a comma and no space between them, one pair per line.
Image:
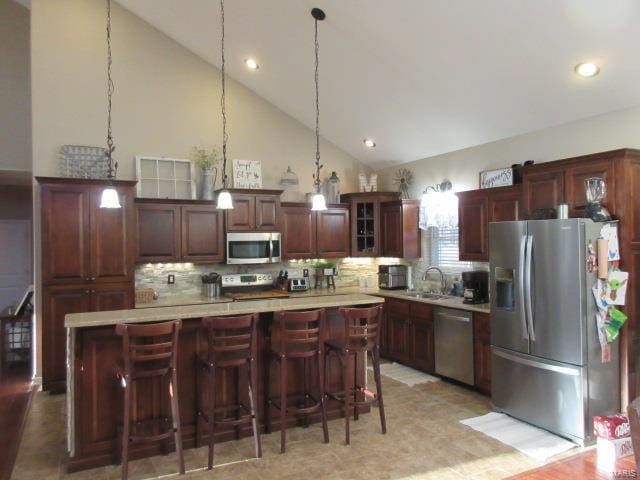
541,189
575,176
98,397
400,235
473,222
254,211
332,233
482,351
158,232
298,232
307,234
202,234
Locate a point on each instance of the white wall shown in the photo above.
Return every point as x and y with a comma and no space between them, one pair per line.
166,100
15,88
597,134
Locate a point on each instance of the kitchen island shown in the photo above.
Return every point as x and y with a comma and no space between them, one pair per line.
94,397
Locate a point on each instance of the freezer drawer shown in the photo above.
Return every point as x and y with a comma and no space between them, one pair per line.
547,394
453,333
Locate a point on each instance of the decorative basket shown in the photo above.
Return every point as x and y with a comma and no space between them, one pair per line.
145,295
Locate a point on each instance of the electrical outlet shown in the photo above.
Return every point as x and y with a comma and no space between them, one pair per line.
171,279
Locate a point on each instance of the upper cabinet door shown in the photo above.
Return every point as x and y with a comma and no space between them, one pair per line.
65,234
332,235
202,234
298,232
504,204
158,232
472,223
391,230
544,189
242,218
575,177
112,238
267,213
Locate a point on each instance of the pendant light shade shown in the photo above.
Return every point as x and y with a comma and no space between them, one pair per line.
318,201
224,200
110,198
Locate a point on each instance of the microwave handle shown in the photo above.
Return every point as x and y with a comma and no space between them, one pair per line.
271,248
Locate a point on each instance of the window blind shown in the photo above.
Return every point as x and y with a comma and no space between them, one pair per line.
441,247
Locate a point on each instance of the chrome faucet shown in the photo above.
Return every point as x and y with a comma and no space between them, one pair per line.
442,282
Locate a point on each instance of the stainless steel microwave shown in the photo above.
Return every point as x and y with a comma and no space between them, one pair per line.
253,247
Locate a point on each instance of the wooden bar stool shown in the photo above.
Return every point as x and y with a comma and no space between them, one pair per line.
231,345
362,336
149,351
297,336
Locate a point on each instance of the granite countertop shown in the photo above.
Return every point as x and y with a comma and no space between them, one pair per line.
141,315
196,299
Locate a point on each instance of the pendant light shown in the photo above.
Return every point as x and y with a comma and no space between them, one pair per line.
110,198
224,197
318,201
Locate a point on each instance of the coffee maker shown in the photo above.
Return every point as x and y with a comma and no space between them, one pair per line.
476,286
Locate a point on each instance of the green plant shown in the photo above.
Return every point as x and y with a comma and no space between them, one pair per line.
204,158
323,264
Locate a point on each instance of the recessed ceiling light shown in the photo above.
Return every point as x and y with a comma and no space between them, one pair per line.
587,69
369,143
251,64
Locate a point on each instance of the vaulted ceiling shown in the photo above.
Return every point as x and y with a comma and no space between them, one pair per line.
421,77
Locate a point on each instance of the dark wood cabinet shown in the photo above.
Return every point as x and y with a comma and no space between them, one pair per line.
254,210
87,260
408,333
365,221
541,189
504,204
179,231
308,234
473,221
575,176
482,351
298,231
332,232
202,234
400,235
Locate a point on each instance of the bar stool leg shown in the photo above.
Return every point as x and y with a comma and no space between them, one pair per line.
305,380
323,406
267,398
211,414
252,403
346,376
376,373
126,428
175,415
355,386
283,403
198,400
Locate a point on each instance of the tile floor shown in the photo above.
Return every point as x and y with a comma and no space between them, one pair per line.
424,441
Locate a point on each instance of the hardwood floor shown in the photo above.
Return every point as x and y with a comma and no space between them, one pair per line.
582,466
16,392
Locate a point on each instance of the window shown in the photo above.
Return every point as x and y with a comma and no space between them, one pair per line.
440,247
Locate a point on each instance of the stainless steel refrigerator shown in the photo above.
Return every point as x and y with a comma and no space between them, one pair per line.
546,360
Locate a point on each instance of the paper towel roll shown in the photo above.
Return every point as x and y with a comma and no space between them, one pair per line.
602,251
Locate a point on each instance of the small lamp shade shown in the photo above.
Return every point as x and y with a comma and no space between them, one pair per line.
224,201
110,198
318,202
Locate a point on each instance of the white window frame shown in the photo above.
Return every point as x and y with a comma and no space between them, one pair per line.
158,160
436,246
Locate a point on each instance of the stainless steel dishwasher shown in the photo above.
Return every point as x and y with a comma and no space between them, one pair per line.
453,332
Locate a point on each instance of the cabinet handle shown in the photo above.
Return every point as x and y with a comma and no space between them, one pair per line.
93,279
86,279
86,292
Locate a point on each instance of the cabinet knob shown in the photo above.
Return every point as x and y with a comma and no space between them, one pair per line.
93,279
86,279
86,292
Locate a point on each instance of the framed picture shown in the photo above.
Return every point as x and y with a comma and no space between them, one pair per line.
247,174
501,177
162,177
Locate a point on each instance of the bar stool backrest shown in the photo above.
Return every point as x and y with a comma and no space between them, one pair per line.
300,331
149,350
230,336
362,326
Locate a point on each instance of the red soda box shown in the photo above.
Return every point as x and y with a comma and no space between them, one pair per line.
611,427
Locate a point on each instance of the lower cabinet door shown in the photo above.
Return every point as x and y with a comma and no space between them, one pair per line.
399,341
57,302
482,351
118,296
423,351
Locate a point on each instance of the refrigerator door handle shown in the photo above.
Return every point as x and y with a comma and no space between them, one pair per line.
527,284
574,372
521,276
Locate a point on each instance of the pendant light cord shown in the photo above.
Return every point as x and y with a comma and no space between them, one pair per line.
316,176
225,137
112,166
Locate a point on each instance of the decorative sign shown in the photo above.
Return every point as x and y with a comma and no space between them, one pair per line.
247,174
496,178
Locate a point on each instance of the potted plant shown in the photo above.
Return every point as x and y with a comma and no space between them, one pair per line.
206,159
324,268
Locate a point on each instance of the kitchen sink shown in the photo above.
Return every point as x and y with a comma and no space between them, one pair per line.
425,295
